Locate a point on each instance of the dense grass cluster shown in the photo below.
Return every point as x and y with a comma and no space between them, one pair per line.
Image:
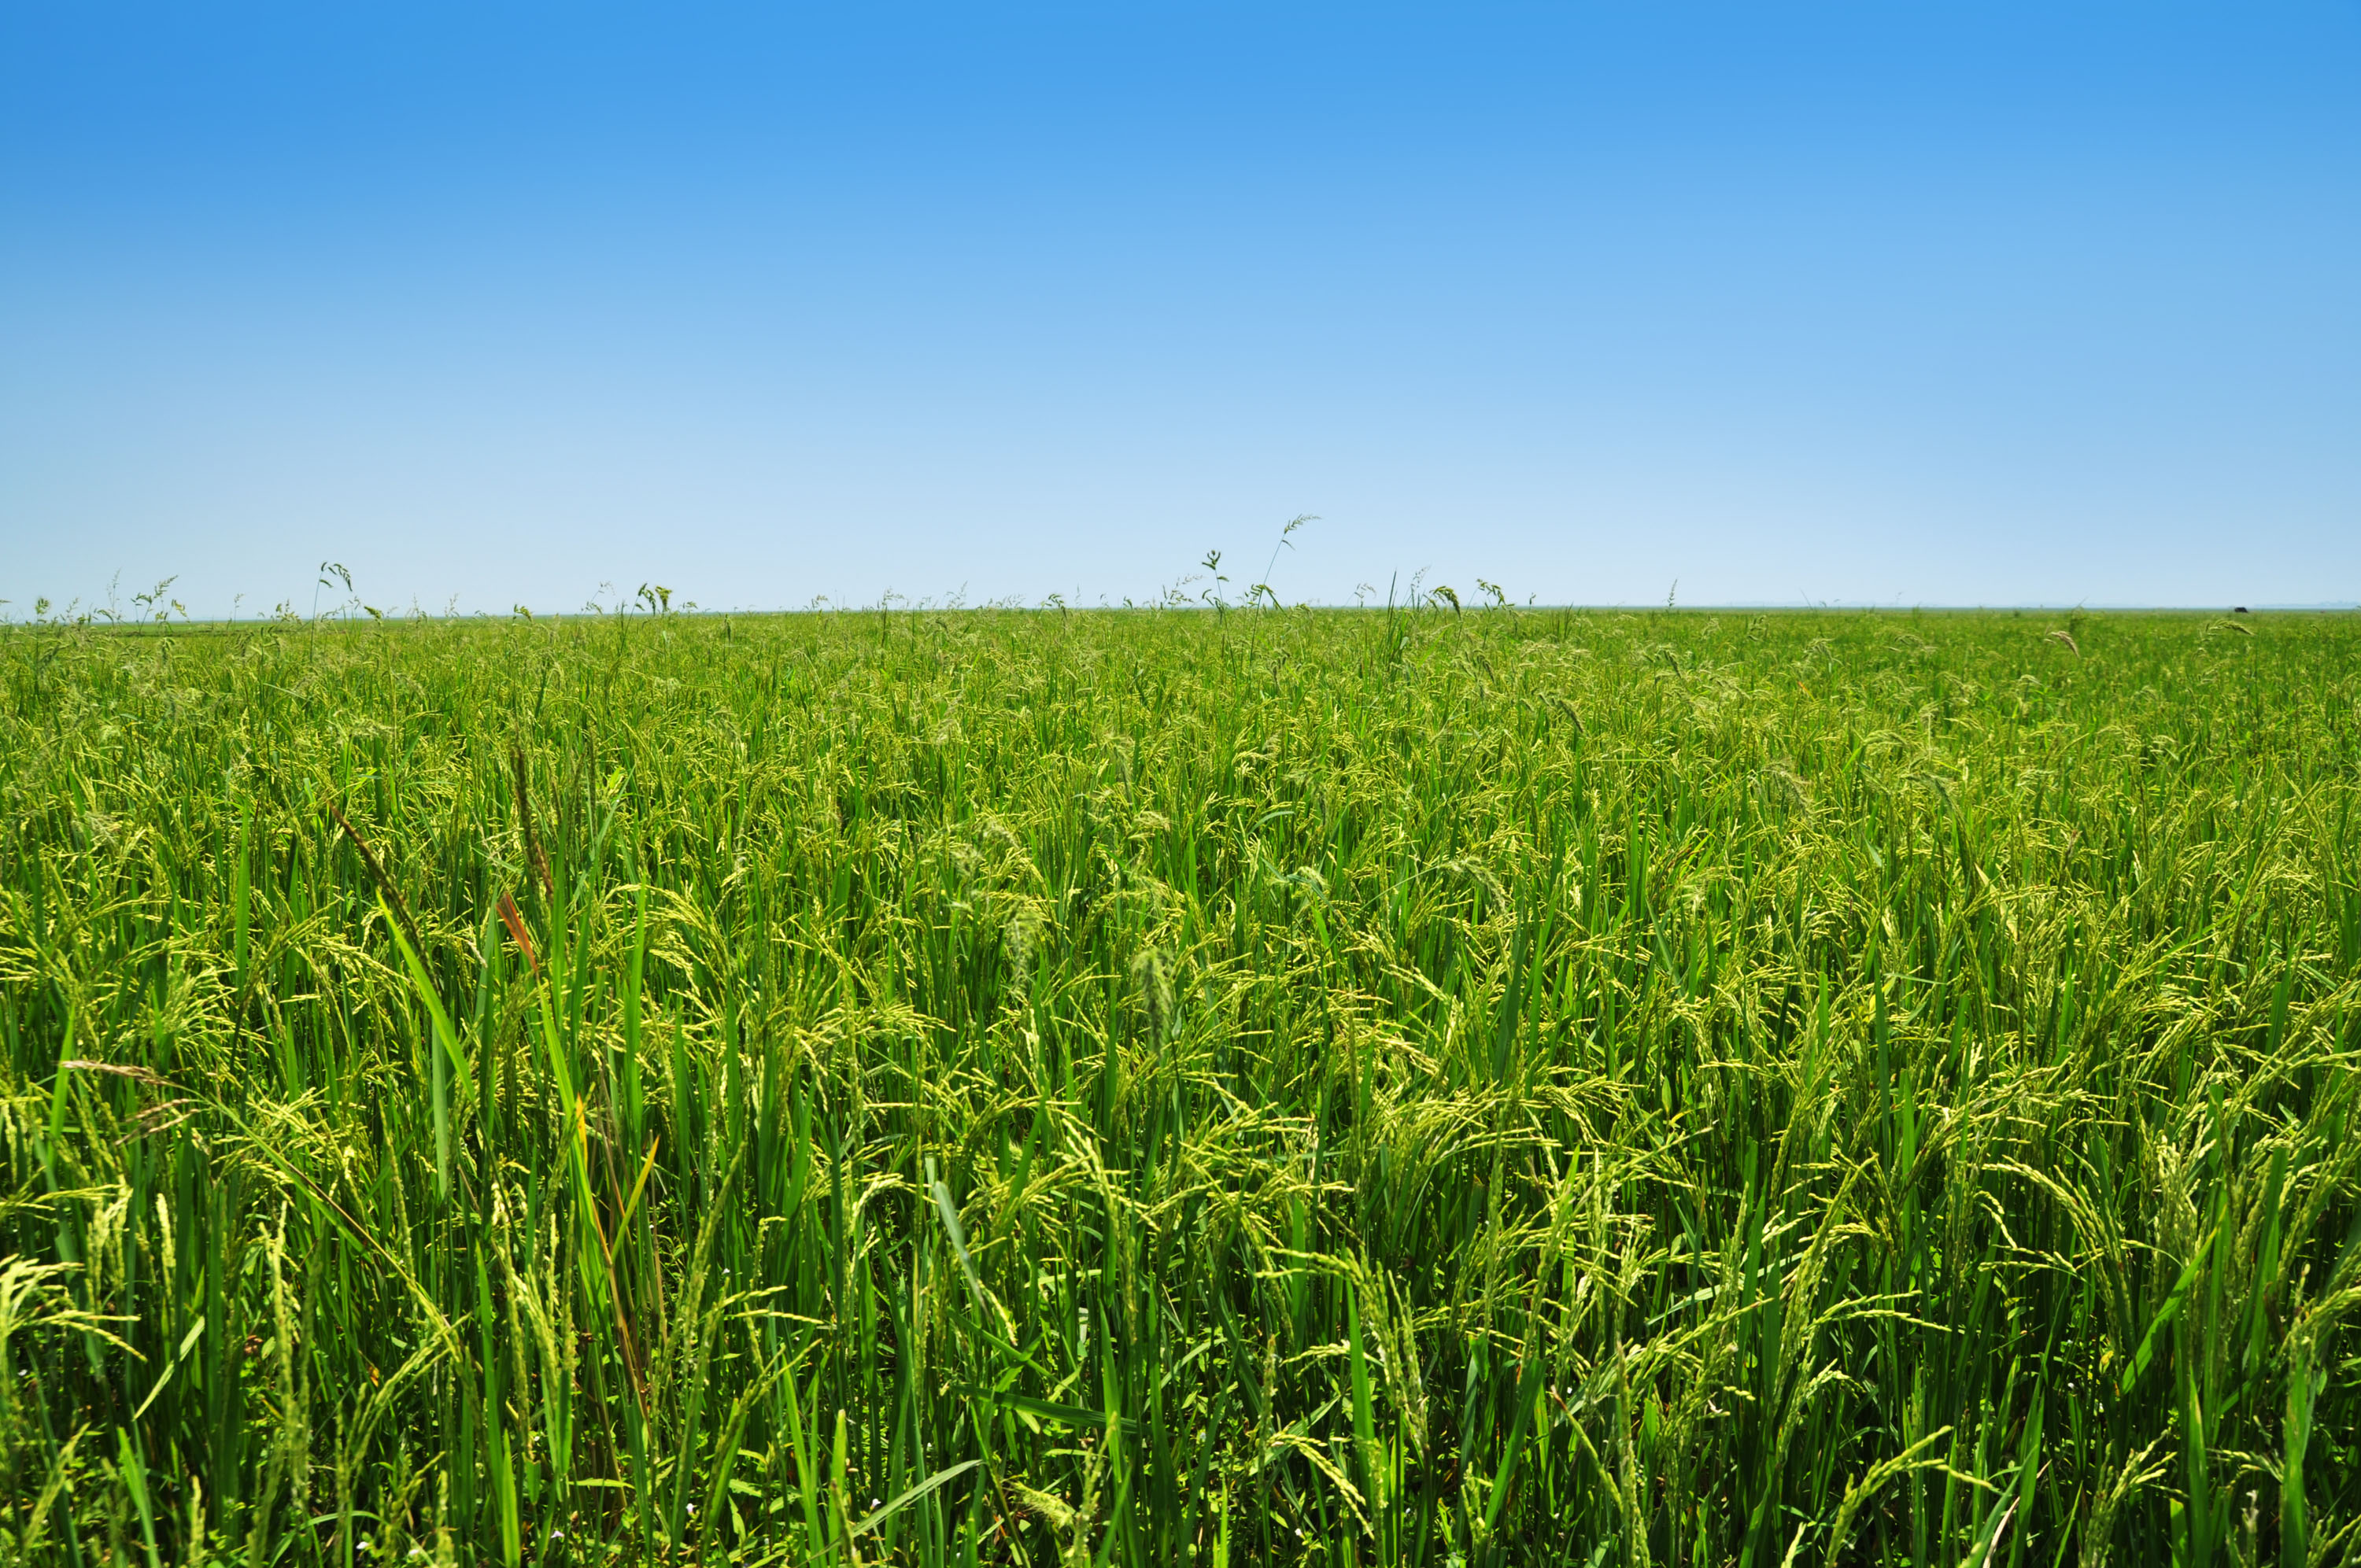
1175,1087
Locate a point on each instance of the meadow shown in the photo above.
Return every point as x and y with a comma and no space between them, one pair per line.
1164,1087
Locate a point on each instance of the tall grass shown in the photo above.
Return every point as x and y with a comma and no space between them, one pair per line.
1436,1088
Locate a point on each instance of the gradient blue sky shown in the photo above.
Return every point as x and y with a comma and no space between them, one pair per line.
1915,304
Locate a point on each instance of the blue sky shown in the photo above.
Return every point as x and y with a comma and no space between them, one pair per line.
1887,303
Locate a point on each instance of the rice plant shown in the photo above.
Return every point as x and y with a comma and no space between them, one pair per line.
1437,1086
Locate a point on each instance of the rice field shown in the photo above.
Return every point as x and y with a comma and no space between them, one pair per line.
1173,1087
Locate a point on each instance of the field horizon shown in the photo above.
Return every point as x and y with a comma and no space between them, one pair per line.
121,621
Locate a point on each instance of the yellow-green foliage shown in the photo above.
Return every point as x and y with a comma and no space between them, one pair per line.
1182,1087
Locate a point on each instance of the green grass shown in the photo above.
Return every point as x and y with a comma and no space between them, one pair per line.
1178,1088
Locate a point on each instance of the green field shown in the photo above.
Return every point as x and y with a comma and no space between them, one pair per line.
1170,1086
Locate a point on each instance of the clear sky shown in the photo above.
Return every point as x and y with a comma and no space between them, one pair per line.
1892,303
